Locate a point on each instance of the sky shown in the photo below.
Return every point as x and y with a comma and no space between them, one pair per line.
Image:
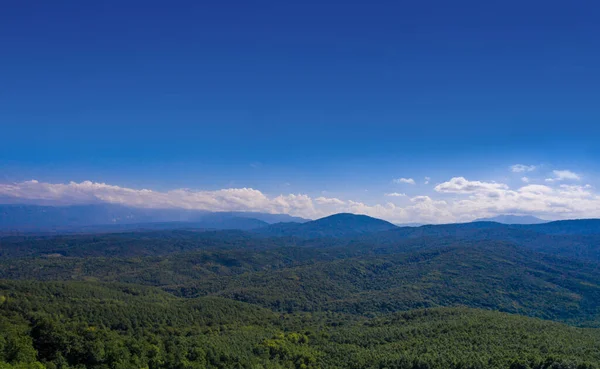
430,111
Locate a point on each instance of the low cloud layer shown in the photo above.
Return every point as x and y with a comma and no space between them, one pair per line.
457,199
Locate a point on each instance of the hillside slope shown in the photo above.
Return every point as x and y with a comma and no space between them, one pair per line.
492,276
91,325
334,226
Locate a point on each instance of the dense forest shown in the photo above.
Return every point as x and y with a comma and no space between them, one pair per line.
96,325
482,295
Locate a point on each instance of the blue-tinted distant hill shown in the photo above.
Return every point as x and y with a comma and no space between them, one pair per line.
266,217
410,224
206,224
573,238
569,227
35,218
513,219
334,226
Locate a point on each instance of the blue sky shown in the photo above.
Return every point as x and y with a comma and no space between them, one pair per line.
324,99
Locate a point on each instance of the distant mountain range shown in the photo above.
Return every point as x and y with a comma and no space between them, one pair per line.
409,224
304,277
513,219
575,238
106,217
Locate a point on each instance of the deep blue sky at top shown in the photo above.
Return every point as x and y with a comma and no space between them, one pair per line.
295,96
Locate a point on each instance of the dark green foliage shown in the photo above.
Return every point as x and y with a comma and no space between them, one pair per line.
549,238
84,324
458,338
495,277
355,279
132,244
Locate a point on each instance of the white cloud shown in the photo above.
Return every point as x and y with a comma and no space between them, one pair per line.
404,180
520,168
420,199
242,199
329,201
525,179
427,179
464,186
395,194
544,201
563,175
463,200
537,189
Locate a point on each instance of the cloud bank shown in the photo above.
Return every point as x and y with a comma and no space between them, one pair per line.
457,199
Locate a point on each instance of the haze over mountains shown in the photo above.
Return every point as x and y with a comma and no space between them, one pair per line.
114,217
575,238
338,225
513,219
25,217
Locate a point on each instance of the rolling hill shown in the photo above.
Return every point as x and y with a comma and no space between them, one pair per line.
344,291
335,226
482,275
347,277
577,238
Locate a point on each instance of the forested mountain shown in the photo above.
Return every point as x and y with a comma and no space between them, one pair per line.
337,225
573,227
444,273
344,291
578,238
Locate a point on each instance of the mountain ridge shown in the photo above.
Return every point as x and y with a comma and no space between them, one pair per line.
24,217
336,225
513,219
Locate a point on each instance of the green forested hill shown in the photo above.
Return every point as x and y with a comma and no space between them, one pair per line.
428,298
128,244
336,226
354,233
493,276
482,275
96,325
